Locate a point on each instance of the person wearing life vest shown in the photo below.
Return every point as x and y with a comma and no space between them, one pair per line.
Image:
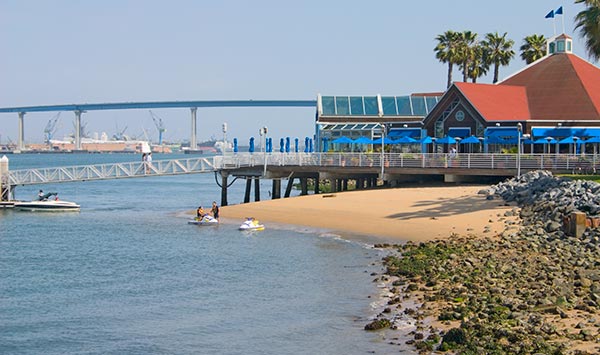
200,212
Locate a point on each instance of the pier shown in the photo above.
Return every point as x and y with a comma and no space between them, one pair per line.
364,170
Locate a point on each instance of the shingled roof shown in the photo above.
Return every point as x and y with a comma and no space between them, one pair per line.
561,86
497,103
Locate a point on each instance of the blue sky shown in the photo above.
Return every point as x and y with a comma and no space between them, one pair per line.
61,52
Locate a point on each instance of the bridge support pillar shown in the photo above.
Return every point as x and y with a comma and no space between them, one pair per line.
193,144
248,188
78,129
256,189
276,189
317,182
21,140
224,188
290,185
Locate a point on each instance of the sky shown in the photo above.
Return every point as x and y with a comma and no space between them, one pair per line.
73,52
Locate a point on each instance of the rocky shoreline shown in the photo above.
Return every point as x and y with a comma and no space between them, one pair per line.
531,289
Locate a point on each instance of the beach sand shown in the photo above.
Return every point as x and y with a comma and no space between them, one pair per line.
399,214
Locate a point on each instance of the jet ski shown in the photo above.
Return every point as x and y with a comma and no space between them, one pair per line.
251,224
207,220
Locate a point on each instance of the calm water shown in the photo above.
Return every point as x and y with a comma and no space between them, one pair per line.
127,275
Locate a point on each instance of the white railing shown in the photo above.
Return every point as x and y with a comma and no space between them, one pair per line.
558,162
574,163
110,171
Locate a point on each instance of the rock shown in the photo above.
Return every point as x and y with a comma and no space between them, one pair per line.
378,324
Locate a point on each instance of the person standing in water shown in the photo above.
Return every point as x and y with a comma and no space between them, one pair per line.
215,210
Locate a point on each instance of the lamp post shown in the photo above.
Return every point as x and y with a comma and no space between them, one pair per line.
224,137
519,129
263,143
382,158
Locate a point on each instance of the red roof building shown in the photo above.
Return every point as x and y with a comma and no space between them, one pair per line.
558,91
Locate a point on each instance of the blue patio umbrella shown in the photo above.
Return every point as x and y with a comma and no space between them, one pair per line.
445,140
281,145
325,144
426,140
363,140
568,140
405,140
527,141
287,144
296,145
342,139
306,145
235,145
470,140
545,141
593,140
269,144
251,146
310,145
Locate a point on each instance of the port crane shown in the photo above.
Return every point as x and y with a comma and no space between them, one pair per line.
51,127
160,126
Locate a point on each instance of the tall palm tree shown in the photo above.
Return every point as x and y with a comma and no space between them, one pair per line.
588,23
446,51
479,63
499,51
533,48
466,51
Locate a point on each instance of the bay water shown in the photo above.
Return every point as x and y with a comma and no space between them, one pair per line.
128,275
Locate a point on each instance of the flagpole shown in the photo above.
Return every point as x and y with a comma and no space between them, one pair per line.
554,24
563,22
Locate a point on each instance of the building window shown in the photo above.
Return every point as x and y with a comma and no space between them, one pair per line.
460,115
439,128
552,48
560,46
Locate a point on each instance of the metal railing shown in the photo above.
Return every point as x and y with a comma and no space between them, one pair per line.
557,162
110,171
587,164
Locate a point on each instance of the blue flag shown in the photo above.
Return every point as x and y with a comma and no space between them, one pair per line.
559,11
550,14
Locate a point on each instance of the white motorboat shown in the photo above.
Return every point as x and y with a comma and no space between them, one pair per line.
47,206
204,221
251,224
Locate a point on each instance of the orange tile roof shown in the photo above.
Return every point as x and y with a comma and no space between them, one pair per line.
497,102
560,87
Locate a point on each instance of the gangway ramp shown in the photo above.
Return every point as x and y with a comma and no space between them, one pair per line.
111,171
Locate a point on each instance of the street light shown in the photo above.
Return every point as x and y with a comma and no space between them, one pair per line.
263,134
520,129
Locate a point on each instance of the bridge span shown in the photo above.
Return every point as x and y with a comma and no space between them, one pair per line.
193,105
365,169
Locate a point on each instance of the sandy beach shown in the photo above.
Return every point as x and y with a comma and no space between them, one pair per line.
400,214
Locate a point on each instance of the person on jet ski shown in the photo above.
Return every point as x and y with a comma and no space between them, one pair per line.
200,212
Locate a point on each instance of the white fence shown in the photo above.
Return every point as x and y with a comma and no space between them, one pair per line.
587,164
110,171
560,162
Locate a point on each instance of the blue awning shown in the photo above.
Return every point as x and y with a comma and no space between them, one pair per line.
563,132
405,132
459,132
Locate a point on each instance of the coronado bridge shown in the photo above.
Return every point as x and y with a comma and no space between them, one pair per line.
79,109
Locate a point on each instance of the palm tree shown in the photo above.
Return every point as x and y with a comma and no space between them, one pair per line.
446,51
533,48
588,23
466,51
479,63
499,51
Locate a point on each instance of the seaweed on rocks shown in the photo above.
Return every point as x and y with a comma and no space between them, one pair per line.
530,290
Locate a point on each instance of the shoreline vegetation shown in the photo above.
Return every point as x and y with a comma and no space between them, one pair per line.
471,269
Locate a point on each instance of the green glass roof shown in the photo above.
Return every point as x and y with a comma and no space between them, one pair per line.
415,105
